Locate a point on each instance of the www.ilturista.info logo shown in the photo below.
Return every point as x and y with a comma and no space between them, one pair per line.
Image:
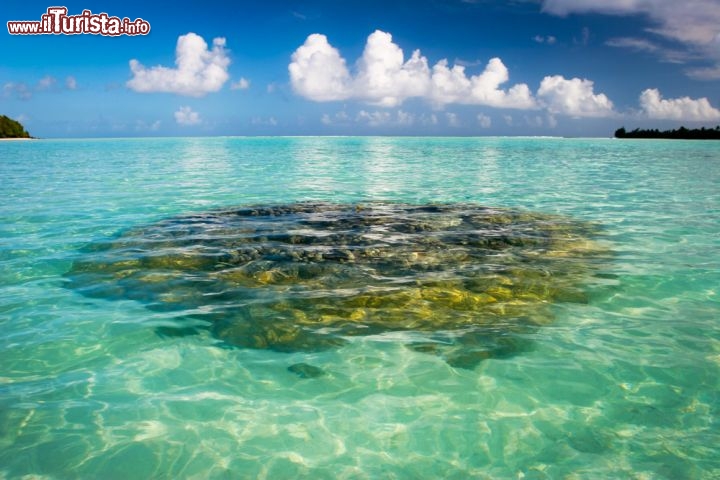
56,22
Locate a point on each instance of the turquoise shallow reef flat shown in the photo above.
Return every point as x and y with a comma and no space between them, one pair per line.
394,308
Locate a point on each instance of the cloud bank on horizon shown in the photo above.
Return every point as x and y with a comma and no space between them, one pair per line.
384,78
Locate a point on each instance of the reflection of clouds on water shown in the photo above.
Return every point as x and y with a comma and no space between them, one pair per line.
198,157
200,165
200,162
352,168
424,171
382,168
316,166
487,174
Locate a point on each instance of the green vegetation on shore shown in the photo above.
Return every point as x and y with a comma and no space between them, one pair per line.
10,128
681,133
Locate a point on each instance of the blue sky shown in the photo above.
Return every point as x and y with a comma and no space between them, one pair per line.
435,67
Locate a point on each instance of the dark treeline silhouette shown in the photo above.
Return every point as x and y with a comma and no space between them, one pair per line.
680,133
10,128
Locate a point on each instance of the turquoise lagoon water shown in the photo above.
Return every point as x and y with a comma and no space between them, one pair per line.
625,385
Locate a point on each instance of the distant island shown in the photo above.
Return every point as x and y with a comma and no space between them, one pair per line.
681,133
10,128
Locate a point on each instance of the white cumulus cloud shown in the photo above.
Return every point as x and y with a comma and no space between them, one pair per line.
340,118
198,70
452,85
383,77
242,84
385,118
47,82
270,121
186,116
143,126
574,97
484,120
485,88
452,119
20,90
683,108
549,39
318,72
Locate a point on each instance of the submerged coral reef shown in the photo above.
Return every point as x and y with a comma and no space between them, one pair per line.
468,279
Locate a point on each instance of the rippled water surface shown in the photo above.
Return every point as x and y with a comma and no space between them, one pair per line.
619,379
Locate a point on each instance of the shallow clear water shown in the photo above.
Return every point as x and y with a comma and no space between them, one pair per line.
623,386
